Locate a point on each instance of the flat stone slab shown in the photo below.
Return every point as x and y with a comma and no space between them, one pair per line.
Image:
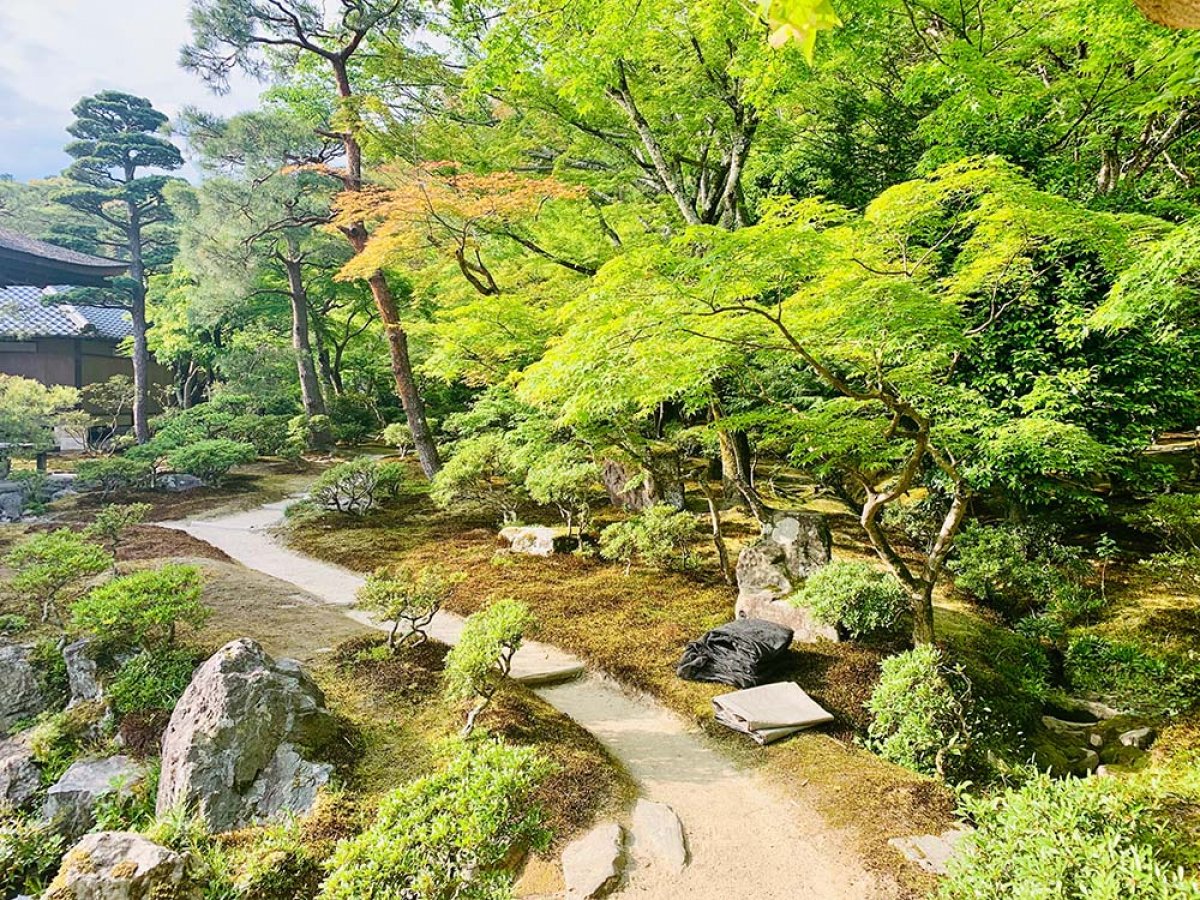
930,852
592,864
658,835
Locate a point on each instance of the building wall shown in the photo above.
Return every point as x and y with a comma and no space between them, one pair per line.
68,361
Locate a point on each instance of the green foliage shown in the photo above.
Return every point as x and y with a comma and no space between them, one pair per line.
483,474
921,713
152,680
1132,676
111,523
352,418
143,608
58,739
28,414
356,487
564,478
1074,839
399,435
1173,517
1019,570
49,567
210,460
855,596
116,475
659,537
13,623
480,660
29,854
130,807
449,834
406,598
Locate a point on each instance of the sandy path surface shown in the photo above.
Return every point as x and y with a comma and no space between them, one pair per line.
745,840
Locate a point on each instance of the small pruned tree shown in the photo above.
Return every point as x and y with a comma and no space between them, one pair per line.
408,599
112,522
564,478
49,569
143,609
484,475
28,414
482,658
356,487
660,536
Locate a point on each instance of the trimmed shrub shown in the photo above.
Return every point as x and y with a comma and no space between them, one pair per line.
407,599
112,521
479,662
921,714
115,475
143,608
153,680
29,854
399,435
659,537
355,487
211,460
1070,839
854,596
450,834
49,567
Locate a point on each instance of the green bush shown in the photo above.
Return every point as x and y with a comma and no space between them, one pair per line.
13,623
48,568
210,460
1132,677
1070,839
154,679
659,537
112,521
406,598
854,596
130,807
58,739
356,487
399,435
1015,570
450,834
143,608
1173,517
116,475
478,663
921,714
29,854
268,434
352,417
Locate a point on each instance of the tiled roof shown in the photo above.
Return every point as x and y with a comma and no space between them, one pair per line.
25,260
28,312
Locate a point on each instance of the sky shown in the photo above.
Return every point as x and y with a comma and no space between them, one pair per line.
52,52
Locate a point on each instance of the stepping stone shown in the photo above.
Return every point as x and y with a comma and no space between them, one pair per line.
658,834
592,864
931,852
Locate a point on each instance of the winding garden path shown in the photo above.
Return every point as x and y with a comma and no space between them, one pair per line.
745,840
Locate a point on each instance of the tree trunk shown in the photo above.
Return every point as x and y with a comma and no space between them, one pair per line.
310,390
402,372
922,612
137,313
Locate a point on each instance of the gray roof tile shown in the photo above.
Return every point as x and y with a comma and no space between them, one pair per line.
28,312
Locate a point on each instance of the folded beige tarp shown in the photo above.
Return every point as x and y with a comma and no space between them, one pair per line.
769,712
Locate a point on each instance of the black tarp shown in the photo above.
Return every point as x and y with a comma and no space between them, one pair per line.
741,653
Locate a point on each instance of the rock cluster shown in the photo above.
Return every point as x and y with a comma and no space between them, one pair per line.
21,693
530,540
241,743
791,547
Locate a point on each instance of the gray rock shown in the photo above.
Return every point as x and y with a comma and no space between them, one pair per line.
71,801
1141,738
81,671
592,864
531,540
239,743
792,547
12,501
19,777
633,486
120,865
1062,726
931,852
21,694
178,482
658,835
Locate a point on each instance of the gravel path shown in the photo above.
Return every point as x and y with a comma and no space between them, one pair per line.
745,839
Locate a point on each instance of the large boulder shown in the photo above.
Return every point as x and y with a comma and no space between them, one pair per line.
19,774
530,540
70,805
120,865
21,693
241,742
792,546
12,501
81,671
633,486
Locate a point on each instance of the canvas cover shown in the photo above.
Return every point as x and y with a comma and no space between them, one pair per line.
770,712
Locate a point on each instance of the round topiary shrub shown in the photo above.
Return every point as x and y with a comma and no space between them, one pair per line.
854,596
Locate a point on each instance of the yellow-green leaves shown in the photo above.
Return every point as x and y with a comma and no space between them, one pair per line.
797,20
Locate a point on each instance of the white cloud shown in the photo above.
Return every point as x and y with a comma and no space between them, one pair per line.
52,52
